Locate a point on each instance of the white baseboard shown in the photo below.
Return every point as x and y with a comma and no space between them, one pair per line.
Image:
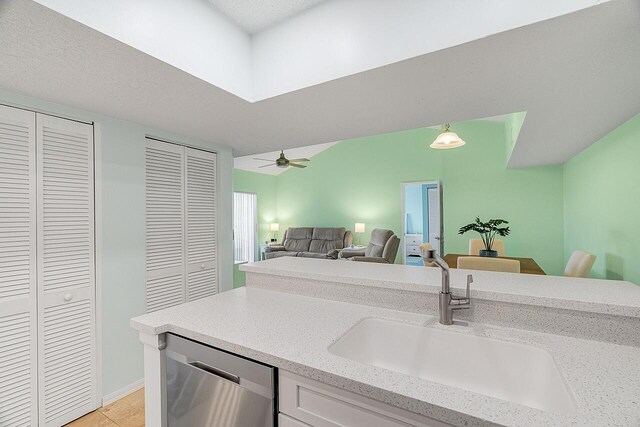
119,394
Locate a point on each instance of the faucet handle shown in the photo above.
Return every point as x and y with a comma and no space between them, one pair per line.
469,282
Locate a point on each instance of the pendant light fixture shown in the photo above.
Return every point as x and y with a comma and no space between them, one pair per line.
447,139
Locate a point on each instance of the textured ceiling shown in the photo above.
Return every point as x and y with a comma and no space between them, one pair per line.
256,15
575,85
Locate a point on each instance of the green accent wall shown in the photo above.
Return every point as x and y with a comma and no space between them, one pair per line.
589,203
360,180
265,187
512,126
602,203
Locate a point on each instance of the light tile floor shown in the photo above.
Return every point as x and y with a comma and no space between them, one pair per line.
126,412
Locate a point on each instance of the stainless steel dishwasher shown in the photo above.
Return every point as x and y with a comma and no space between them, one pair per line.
209,387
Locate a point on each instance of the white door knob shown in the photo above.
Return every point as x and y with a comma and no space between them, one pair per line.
68,297
202,266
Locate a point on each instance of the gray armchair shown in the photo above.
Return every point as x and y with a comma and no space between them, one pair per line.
382,248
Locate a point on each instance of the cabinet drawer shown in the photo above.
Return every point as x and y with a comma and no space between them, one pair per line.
322,405
413,239
413,250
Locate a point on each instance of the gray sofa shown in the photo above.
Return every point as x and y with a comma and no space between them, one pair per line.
311,242
382,248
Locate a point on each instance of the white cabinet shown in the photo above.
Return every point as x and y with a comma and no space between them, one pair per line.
412,244
47,273
180,217
309,403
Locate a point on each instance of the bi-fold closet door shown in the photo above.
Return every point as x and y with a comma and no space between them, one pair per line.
48,366
180,217
18,309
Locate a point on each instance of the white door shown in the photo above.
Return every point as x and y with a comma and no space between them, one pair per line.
435,219
180,217
164,217
200,203
66,270
18,318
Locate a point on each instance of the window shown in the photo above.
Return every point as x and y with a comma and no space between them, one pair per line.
244,227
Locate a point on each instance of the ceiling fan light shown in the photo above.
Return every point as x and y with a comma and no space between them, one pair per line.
446,140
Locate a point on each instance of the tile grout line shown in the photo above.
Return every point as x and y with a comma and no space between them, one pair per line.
107,416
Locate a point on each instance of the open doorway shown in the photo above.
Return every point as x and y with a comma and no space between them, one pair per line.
421,219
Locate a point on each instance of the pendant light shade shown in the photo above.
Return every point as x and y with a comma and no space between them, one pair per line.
447,139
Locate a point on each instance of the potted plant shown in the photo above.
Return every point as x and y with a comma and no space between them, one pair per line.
488,232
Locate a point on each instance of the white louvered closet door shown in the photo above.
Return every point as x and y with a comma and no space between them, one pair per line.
18,319
164,217
66,278
200,202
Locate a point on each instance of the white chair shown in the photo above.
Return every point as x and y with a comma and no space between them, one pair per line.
476,245
579,264
489,264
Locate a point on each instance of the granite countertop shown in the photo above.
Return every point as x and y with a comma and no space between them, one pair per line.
590,295
293,333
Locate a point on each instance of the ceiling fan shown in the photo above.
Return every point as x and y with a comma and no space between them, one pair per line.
283,162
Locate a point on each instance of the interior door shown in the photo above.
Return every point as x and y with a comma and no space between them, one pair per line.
435,219
18,316
164,217
66,270
180,216
202,278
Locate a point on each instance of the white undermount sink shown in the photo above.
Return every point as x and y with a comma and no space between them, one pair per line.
514,372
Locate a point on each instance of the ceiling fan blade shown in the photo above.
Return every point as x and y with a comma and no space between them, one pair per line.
295,165
299,160
266,160
266,166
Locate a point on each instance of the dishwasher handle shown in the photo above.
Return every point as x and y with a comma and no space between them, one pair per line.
215,371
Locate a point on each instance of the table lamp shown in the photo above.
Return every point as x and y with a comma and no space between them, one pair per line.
359,228
275,227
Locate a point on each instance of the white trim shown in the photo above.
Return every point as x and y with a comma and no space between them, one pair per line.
181,144
32,109
155,391
97,214
217,209
403,185
122,392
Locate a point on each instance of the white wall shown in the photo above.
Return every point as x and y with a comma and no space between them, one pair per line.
188,34
122,249
344,37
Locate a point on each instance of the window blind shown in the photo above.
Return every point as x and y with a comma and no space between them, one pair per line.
244,227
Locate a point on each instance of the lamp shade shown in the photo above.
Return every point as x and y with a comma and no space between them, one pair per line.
359,228
275,227
446,140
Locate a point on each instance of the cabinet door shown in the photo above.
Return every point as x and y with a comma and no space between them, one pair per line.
201,224
18,319
322,405
66,270
164,216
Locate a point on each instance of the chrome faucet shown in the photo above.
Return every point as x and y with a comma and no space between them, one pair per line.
448,301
